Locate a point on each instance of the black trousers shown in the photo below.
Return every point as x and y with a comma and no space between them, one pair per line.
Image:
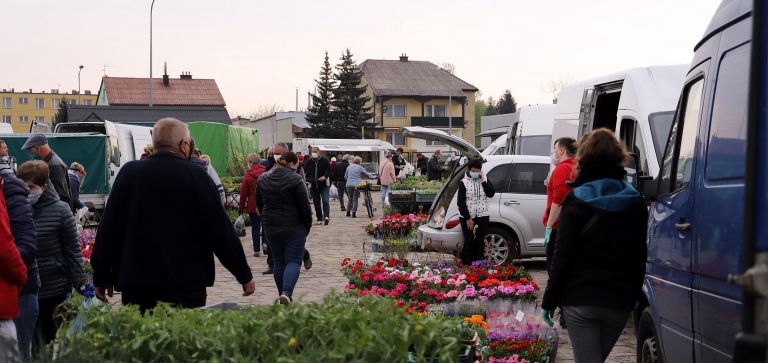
474,243
148,298
551,249
46,327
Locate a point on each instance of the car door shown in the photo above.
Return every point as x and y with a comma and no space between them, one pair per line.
670,232
524,201
720,236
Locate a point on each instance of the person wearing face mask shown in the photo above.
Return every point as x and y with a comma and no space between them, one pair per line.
162,227
318,171
474,191
37,145
59,260
282,200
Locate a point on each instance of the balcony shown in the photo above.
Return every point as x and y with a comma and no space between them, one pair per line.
437,122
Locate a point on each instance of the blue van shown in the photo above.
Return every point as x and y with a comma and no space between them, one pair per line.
702,231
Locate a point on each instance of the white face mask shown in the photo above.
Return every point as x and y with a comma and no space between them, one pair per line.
277,157
34,195
315,155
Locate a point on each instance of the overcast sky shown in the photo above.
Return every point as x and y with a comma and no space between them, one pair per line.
260,51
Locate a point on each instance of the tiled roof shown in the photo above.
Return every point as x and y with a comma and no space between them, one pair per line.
146,114
180,92
412,78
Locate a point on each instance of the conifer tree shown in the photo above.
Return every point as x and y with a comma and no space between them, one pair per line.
349,99
319,114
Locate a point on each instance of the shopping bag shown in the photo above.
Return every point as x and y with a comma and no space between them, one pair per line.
240,225
334,193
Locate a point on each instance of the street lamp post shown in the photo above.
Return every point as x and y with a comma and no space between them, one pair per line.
151,8
78,84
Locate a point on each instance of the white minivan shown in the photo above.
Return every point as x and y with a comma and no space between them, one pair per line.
637,104
529,133
516,211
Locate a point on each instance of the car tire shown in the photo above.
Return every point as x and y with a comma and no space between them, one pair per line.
648,350
500,246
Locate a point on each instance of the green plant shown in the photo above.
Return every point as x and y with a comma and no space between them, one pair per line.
339,329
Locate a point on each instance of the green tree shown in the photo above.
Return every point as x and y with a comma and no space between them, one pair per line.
349,99
490,107
61,115
506,104
319,114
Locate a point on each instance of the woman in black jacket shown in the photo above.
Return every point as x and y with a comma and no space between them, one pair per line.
474,191
599,259
281,198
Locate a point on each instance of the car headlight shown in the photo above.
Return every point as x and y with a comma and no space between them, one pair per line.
437,219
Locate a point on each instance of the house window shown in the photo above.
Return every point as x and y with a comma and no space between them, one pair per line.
88,102
39,119
434,111
72,102
39,103
6,102
396,138
7,119
394,110
55,102
23,100
23,119
435,143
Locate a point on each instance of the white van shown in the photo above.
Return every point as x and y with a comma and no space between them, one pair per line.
637,104
532,127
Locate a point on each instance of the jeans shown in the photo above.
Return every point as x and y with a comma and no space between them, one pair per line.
474,243
341,187
9,347
25,323
594,331
353,194
320,191
384,193
287,251
256,231
270,262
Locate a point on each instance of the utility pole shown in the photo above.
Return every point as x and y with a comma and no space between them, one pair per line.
297,99
78,84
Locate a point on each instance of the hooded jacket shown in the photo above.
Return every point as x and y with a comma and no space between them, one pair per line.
600,254
15,192
248,188
59,260
281,196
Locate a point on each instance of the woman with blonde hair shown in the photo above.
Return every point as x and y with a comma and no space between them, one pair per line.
598,264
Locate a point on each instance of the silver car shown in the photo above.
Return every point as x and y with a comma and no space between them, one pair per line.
516,211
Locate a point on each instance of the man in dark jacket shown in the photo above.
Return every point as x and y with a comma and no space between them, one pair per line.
37,144
318,170
161,228
421,163
398,161
339,178
434,170
15,192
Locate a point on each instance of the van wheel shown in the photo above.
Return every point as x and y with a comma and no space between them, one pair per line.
500,246
647,341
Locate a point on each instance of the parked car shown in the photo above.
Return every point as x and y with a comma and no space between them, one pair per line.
707,221
515,229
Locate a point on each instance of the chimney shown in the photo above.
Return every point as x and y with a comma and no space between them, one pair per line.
403,57
166,79
74,92
87,92
185,75
54,91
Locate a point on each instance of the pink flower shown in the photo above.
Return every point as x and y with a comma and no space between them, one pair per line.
470,291
453,293
350,287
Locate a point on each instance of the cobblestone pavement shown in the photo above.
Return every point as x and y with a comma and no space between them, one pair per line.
344,237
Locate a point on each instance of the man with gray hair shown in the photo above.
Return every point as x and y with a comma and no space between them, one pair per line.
37,145
161,227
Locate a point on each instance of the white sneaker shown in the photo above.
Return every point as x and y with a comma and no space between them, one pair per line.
284,300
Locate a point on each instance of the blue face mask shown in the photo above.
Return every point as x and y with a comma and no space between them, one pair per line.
474,174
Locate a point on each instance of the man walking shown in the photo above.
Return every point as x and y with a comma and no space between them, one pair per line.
340,178
562,155
421,163
398,161
161,228
37,144
433,166
318,170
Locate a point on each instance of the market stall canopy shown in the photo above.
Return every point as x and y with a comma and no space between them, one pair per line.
228,146
353,148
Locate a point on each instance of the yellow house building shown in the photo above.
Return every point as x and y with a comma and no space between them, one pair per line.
418,93
22,108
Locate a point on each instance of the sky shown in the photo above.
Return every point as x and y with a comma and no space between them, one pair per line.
259,52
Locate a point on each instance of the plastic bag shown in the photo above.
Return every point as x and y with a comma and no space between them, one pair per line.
240,225
334,192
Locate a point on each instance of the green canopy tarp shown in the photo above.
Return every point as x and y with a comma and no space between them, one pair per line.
228,146
87,149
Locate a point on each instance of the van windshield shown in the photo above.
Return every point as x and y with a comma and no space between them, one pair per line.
661,125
